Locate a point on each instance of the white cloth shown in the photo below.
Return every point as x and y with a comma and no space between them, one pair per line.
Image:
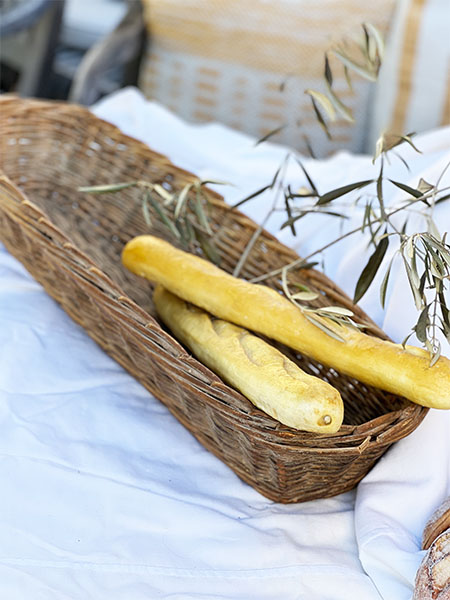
105,495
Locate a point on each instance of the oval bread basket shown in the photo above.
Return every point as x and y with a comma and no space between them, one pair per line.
71,243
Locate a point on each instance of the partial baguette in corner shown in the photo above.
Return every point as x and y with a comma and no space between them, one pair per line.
264,375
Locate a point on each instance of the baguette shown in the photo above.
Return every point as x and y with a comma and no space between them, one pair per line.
385,365
264,375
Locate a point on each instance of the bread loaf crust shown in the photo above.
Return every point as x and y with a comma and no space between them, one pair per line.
264,375
402,371
433,577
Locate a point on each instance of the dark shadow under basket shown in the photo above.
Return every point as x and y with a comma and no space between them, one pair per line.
71,243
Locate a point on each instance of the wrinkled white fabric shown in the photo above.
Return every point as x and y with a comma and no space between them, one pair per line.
105,495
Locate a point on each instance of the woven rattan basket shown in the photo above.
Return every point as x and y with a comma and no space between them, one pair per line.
71,243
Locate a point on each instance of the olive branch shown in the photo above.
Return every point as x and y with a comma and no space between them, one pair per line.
425,256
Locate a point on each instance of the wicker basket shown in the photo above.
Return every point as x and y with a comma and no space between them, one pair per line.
71,243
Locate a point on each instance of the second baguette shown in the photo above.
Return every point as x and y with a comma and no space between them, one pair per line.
264,375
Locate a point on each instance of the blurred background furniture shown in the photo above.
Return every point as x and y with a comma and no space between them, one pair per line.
29,31
44,42
113,61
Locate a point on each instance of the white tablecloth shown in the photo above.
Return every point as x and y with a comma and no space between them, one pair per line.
104,495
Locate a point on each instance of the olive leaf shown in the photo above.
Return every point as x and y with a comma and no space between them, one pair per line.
253,195
181,200
340,107
384,283
422,324
371,269
327,72
323,327
310,181
145,210
377,37
336,310
363,70
320,118
108,188
406,188
306,295
270,134
341,191
163,217
424,187
324,102
348,78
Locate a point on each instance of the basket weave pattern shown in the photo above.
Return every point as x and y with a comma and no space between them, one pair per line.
71,243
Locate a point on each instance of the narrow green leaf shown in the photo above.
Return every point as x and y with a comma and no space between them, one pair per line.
310,181
366,216
165,195
436,356
370,270
328,74
357,67
337,193
408,140
321,325
201,215
400,157
414,284
204,182
108,188
424,187
442,199
167,222
348,78
305,296
320,118
409,190
384,284
380,191
421,326
208,248
444,310
277,173
293,219
377,37
423,279
366,49
309,146
145,210
270,134
289,214
306,265
409,245
253,195
336,310
340,106
181,200
324,102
